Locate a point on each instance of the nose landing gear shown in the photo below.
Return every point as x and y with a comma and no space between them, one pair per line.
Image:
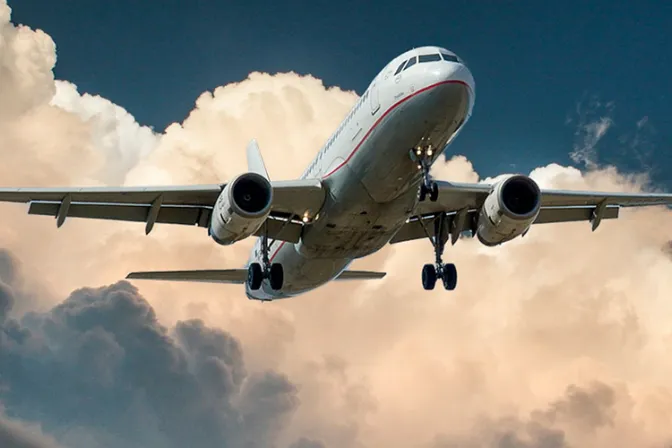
423,157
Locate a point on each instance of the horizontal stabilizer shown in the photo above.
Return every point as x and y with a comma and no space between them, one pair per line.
360,275
234,276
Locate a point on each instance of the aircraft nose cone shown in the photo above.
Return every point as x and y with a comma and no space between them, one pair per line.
457,72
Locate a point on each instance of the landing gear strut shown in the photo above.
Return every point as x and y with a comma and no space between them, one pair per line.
257,273
423,157
447,273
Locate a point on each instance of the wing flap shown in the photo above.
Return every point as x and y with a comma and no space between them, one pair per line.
571,214
231,276
278,229
135,213
360,275
414,230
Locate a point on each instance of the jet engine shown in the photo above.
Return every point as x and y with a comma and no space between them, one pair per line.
241,209
509,210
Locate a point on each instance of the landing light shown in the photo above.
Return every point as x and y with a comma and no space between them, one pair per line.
429,152
305,218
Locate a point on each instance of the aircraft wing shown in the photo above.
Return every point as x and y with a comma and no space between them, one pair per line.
462,202
187,205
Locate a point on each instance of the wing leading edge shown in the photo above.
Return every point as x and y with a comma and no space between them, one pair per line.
456,196
185,205
460,202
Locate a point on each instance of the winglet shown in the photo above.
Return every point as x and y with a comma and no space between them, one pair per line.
255,163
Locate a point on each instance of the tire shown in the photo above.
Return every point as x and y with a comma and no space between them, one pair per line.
277,276
254,276
449,277
434,192
423,193
428,276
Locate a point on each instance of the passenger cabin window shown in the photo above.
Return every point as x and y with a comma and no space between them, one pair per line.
429,58
450,57
411,62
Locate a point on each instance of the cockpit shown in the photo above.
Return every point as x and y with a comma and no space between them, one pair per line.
429,57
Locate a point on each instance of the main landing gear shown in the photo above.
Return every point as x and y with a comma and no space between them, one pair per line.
258,272
423,157
447,273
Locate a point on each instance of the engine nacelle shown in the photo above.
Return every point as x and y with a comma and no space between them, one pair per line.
509,210
241,209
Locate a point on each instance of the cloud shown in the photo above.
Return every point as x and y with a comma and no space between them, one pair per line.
561,337
307,443
113,131
580,413
593,119
16,435
101,362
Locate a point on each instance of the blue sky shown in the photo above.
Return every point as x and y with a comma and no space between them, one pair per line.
535,63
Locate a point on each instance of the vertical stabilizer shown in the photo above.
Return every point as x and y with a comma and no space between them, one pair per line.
255,163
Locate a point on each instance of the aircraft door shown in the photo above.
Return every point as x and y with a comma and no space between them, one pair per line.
374,98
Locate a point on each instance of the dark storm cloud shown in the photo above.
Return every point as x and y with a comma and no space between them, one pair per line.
7,277
307,443
100,367
667,248
586,408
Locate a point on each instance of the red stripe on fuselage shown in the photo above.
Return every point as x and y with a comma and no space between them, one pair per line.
387,112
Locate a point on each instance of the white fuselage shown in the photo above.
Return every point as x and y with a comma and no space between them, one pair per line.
371,181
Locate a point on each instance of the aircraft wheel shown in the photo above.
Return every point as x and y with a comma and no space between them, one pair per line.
277,276
423,192
428,276
254,276
449,277
434,192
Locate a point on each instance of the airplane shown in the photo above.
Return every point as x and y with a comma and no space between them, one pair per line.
368,186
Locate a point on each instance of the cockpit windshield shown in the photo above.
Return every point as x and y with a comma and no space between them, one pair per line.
449,57
429,58
433,57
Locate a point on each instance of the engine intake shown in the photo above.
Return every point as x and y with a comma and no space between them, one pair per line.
509,210
251,195
241,209
520,196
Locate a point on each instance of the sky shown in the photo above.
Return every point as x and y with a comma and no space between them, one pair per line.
560,339
541,68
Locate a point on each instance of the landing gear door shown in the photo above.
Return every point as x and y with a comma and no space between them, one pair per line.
374,98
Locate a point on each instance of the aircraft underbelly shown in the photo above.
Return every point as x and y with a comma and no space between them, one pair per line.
370,197
383,164
304,274
351,224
